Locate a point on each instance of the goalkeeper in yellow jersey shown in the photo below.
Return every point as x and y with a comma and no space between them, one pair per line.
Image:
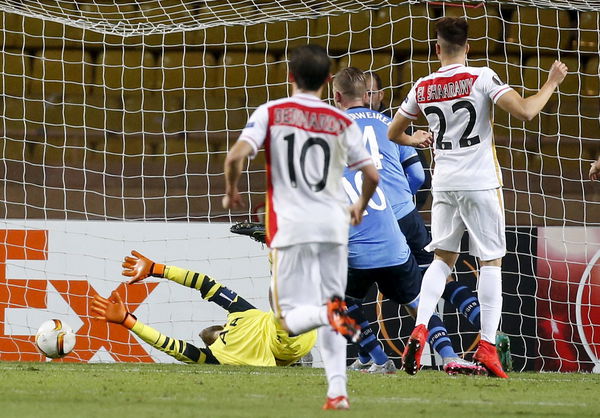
250,337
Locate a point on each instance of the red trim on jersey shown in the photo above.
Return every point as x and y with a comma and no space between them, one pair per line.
408,113
498,92
359,162
310,119
441,89
270,215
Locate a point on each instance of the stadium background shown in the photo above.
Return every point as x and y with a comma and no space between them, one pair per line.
108,128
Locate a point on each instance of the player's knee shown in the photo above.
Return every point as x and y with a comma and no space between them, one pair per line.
497,262
447,257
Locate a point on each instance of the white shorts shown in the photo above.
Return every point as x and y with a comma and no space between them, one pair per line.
307,274
481,212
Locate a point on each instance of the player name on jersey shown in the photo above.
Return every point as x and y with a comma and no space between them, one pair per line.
445,88
370,115
309,119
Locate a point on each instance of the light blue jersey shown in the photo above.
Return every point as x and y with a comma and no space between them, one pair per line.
377,241
387,157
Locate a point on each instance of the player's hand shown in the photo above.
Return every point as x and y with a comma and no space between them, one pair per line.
595,170
421,139
139,267
356,213
233,200
558,72
111,309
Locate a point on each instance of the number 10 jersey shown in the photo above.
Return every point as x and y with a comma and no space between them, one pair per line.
307,145
457,101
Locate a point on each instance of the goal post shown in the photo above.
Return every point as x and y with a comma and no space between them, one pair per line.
116,118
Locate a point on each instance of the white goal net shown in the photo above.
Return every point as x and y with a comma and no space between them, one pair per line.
116,118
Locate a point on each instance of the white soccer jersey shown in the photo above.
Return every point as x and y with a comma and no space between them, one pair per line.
307,143
456,100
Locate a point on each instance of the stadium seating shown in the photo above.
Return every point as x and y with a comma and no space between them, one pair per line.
15,65
532,29
586,39
124,72
591,78
381,63
59,73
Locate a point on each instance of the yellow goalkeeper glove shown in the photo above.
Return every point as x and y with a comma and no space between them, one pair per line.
139,267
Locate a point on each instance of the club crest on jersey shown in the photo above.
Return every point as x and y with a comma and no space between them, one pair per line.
440,89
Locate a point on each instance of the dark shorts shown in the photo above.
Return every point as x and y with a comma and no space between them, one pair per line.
417,236
401,283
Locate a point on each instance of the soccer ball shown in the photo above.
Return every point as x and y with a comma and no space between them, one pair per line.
55,339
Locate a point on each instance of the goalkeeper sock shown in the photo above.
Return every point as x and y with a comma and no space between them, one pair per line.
438,338
490,297
431,290
464,300
333,351
304,318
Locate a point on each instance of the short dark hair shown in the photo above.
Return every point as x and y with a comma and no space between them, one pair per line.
350,82
375,77
453,31
310,64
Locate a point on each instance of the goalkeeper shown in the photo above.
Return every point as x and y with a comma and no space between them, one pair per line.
250,337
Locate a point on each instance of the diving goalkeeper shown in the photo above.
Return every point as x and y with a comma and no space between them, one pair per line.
250,337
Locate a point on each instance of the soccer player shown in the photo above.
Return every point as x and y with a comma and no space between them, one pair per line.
250,337
308,143
595,170
418,175
456,100
378,252
402,175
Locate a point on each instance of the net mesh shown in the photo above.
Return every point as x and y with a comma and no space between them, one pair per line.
123,111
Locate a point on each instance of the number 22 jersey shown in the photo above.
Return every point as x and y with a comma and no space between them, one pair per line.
457,101
307,145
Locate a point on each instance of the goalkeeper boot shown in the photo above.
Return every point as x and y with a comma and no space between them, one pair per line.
359,366
339,402
456,365
487,355
411,358
337,314
386,368
503,349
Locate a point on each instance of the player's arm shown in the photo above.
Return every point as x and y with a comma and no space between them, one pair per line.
595,170
397,133
528,108
233,170
113,310
413,168
138,267
370,181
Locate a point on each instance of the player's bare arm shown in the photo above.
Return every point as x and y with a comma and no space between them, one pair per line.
370,181
595,170
397,133
233,170
528,108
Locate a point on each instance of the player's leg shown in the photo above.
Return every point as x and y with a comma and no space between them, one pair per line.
333,268
417,237
370,351
483,214
447,229
296,290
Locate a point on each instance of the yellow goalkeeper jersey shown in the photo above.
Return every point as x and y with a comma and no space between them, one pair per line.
255,338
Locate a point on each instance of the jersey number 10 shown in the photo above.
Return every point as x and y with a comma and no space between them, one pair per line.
310,142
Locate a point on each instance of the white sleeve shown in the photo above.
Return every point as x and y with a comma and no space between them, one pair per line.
358,156
409,107
255,131
493,87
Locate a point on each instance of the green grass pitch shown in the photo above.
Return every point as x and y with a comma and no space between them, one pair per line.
174,390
